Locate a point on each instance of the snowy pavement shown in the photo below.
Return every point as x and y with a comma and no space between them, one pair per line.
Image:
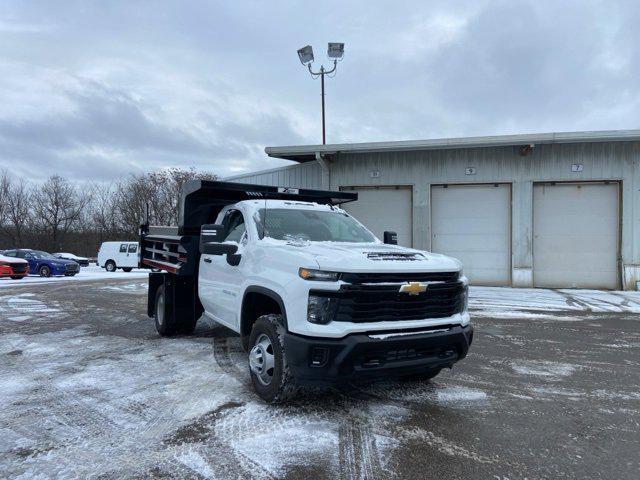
90,273
551,388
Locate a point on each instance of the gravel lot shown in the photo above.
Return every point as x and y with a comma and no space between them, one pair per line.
550,389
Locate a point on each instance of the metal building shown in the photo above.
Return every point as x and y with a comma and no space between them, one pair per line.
542,210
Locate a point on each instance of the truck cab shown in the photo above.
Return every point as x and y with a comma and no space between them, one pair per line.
315,297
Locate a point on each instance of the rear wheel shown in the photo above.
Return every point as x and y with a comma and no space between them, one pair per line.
268,367
127,269
44,271
165,323
16,277
110,266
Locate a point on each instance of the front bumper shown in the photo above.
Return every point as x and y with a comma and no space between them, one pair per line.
10,271
316,361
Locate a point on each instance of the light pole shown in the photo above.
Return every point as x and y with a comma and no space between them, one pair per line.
335,51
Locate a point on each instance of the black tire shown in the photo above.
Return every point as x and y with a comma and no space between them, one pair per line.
127,269
165,324
17,277
110,266
187,327
44,271
281,385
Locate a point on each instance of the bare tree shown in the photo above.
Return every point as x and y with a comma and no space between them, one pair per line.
59,215
103,217
57,207
159,190
17,210
5,184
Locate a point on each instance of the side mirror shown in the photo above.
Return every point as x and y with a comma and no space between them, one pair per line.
391,238
215,248
210,233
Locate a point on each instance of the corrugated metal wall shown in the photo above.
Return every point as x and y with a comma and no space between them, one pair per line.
617,161
303,175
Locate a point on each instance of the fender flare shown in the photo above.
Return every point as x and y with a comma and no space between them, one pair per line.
269,293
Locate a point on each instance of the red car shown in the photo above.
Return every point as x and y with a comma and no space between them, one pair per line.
15,268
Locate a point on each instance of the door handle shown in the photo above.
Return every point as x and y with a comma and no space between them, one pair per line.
207,259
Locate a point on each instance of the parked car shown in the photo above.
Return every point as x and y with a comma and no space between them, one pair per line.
82,261
45,264
114,255
15,268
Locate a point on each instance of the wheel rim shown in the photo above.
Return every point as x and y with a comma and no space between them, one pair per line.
44,271
160,310
110,267
261,360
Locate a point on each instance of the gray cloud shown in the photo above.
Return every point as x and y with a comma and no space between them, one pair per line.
102,90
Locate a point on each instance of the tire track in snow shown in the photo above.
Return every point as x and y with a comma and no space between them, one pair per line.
205,452
358,452
222,352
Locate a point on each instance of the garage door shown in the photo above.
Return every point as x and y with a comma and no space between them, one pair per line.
472,224
575,235
384,208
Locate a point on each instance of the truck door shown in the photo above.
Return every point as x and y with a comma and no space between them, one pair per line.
219,282
122,256
132,255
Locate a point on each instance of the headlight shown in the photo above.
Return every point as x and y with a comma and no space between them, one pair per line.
321,275
321,309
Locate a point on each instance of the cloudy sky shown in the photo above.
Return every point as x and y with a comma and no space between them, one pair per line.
97,90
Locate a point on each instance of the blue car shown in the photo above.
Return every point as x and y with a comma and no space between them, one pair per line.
45,264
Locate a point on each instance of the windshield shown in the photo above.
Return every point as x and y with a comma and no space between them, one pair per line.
39,254
311,225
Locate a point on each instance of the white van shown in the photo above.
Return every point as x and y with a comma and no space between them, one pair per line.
113,255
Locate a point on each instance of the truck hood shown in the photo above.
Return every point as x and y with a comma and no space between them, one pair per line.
358,257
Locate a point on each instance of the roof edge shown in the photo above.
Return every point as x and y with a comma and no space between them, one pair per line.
303,153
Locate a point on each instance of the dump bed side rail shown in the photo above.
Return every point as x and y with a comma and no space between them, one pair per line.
175,254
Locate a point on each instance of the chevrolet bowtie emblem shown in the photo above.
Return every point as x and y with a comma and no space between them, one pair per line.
413,288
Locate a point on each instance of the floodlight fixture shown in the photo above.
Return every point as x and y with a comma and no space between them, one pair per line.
335,50
306,55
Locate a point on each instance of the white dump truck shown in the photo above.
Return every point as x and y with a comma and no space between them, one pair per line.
315,297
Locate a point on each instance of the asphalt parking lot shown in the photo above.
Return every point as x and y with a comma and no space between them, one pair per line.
550,389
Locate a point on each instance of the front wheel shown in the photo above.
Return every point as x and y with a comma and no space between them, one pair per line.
110,266
44,271
127,269
268,367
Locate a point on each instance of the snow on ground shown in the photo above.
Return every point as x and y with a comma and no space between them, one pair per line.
543,303
90,273
90,391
